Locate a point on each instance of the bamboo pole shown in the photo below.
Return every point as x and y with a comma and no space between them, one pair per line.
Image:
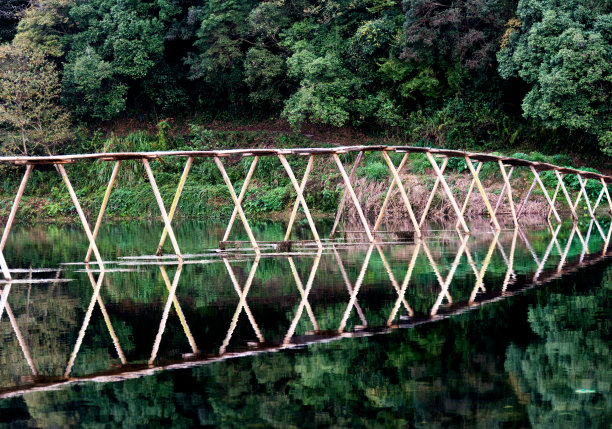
4,298
522,207
349,187
388,195
11,218
349,286
510,263
166,312
245,185
483,269
300,198
245,305
358,282
241,303
586,196
175,201
162,209
106,318
567,197
469,194
237,204
449,278
402,292
481,189
304,301
179,312
501,194
396,286
343,199
400,185
448,191
300,286
79,341
77,205
508,191
432,194
599,198
605,187
96,229
23,345
551,203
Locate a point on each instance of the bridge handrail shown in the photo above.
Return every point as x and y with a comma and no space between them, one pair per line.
118,156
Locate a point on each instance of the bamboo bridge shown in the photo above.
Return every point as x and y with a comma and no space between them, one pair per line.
438,158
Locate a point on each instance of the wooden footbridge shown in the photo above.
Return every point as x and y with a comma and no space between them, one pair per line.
438,158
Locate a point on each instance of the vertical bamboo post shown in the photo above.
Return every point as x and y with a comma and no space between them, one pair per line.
349,187
162,209
96,229
481,189
245,185
343,199
175,201
551,203
508,191
77,205
400,185
296,205
237,204
432,194
383,208
448,191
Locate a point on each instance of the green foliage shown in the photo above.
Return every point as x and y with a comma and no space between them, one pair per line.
375,170
563,50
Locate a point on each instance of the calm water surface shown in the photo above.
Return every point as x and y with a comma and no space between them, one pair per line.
493,330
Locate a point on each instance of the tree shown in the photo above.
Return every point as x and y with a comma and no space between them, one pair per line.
563,50
29,96
10,12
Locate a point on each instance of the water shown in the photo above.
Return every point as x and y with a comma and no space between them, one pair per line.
494,330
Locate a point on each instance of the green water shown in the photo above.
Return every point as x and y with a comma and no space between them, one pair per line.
376,338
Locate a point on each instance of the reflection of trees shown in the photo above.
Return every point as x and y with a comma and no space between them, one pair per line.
573,354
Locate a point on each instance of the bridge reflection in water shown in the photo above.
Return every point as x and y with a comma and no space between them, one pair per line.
405,285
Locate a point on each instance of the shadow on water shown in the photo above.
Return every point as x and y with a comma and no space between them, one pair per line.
446,331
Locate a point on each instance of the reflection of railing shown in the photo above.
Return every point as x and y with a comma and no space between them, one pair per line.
479,295
167,215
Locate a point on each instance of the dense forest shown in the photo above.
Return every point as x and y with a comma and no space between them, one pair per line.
453,73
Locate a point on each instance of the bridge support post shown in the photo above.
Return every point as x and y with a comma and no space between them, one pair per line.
241,305
400,185
11,218
605,188
96,229
508,187
503,190
300,198
177,196
383,208
77,205
243,190
551,203
432,194
567,197
343,199
237,204
468,196
448,191
522,206
349,187
481,189
162,209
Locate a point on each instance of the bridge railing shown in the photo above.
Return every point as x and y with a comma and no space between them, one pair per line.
506,167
